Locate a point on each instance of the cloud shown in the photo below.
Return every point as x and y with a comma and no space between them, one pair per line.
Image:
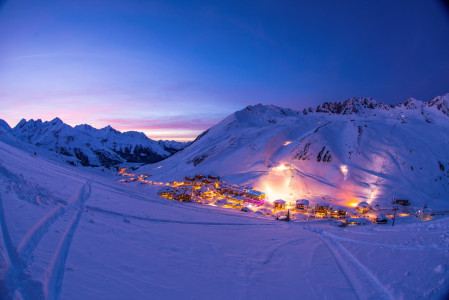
169,123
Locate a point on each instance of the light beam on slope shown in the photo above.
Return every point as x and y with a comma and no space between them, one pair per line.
344,170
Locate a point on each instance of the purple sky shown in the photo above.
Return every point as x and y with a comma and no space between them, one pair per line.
174,68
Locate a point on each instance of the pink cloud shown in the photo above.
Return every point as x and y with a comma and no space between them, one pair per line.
172,123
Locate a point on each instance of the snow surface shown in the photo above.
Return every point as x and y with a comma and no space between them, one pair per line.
76,233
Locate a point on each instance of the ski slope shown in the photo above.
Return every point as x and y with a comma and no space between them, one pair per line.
76,233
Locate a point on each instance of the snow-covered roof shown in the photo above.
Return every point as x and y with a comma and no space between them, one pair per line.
253,192
358,220
166,190
322,204
186,192
279,201
302,201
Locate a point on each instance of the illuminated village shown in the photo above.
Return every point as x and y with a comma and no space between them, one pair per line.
213,191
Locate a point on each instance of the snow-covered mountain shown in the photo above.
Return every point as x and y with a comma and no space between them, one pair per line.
90,146
172,146
358,149
4,127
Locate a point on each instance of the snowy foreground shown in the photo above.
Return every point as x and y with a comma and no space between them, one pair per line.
73,233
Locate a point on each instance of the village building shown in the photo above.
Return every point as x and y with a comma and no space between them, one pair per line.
232,191
356,221
166,193
185,195
253,194
221,202
279,204
255,202
238,206
302,205
321,209
206,192
402,202
265,211
197,184
338,213
246,209
238,199
199,176
213,177
206,181
381,219
425,216
363,207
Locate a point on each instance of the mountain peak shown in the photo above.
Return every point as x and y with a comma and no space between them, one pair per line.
56,121
21,123
85,127
260,115
350,106
441,103
109,130
4,127
29,123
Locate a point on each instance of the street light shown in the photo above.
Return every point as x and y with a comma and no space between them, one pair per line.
395,208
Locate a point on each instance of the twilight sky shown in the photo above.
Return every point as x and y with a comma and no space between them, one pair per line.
174,68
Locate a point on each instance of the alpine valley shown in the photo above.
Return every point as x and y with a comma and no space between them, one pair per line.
205,220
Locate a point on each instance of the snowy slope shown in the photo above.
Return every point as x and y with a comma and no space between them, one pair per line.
69,233
345,151
93,147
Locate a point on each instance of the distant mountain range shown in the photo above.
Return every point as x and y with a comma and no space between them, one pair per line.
89,146
339,151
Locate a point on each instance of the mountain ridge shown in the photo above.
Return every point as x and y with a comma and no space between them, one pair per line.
89,146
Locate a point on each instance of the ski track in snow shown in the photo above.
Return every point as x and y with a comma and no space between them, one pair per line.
35,234
390,246
128,216
54,275
11,253
358,276
19,258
